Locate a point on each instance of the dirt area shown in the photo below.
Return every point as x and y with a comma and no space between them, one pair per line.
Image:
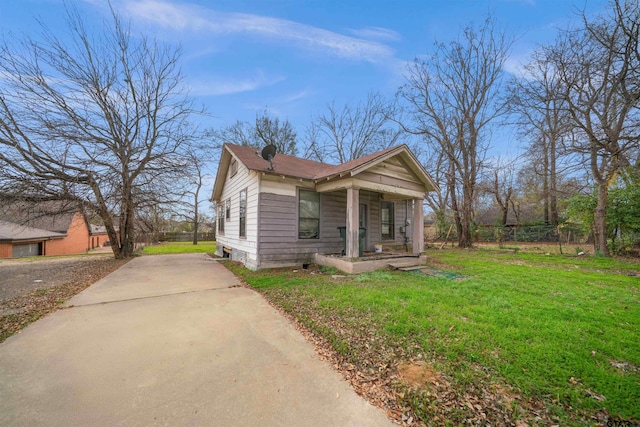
31,288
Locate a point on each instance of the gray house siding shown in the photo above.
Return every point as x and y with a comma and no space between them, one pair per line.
401,216
278,230
278,243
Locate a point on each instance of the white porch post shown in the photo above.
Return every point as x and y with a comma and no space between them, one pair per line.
353,222
418,226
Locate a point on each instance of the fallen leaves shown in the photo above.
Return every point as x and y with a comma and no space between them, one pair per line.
413,384
18,312
398,376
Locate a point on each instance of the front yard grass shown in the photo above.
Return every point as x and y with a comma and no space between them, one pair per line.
180,248
541,339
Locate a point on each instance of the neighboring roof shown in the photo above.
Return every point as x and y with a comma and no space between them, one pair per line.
51,215
10,232
97,229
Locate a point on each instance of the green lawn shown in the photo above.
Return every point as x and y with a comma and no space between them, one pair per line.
180,248
561,333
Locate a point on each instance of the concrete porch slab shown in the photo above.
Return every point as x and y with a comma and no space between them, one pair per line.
363,266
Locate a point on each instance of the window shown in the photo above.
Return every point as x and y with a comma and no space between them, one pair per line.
308,215
386,217
243,213
221,218
234,167
227,209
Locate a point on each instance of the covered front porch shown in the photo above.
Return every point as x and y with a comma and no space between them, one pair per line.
381,209
377,222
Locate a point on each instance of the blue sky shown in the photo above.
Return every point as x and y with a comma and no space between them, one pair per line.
295,57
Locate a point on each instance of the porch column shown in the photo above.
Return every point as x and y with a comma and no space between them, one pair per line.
353,211
418,226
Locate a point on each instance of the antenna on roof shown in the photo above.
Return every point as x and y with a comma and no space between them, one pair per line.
268,153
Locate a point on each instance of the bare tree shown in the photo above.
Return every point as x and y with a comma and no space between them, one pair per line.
270,131
436,164
452,99
266,130
544,123
598,67
101,119
239,133
500,182
350,132
198,176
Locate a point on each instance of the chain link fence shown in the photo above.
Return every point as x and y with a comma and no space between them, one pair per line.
531,233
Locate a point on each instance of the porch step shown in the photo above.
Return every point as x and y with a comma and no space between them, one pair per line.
406,265
411,268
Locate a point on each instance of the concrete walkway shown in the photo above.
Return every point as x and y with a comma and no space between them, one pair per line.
171,340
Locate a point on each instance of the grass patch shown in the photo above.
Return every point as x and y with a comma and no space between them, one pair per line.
560,335
180,248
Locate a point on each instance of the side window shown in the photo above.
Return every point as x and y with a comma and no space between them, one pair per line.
387,220
227,209
308,215
243,213
221,217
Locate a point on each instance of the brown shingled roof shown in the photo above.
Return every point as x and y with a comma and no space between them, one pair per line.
294,167
283,164
297,167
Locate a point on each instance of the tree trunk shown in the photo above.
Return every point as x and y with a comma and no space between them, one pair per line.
545,180
465,237
195,233
127,228
128,237
196,220
553,193
600,221
451,183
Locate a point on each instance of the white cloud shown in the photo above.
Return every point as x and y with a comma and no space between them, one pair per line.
216,86
191,18
515,66
377,33
517,61
297,96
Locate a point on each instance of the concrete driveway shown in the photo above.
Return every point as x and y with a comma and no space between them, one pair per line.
171,340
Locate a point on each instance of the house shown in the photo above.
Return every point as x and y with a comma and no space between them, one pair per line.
19,241
281,214
44,228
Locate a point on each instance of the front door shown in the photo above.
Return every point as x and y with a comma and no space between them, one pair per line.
363,223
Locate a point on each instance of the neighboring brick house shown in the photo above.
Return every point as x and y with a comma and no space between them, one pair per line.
99,236
19,241
57,228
